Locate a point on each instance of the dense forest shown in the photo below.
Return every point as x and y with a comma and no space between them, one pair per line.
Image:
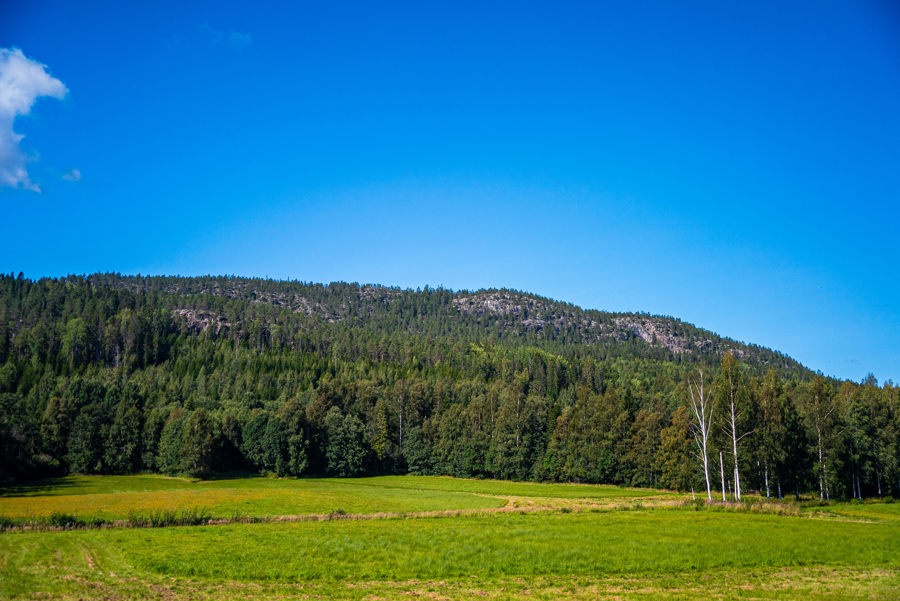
112,374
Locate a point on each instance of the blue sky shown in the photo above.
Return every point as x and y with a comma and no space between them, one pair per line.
736,166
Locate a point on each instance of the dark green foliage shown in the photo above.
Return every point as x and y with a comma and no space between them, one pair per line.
643,447
676,461
163,518
85,449
590,439
199,443
122,453
416,453
112,374
461,443
253,440
345,449
20,453
63,520
274,442
292,420
171,443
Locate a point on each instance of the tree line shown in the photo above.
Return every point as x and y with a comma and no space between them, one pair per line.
108,374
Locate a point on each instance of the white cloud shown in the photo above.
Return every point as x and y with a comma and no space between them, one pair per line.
22,81
73,175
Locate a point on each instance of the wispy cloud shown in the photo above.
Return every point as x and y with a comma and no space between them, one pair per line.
22,81
73,175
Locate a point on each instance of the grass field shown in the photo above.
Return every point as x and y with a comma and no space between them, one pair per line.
112,498
584,542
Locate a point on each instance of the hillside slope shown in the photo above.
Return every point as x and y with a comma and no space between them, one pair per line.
113,374
506,314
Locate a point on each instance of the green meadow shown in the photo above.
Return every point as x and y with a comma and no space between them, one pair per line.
442,538
118,497
111,498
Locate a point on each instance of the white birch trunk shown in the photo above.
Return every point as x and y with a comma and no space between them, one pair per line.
734,445
722,475
821,469
703,415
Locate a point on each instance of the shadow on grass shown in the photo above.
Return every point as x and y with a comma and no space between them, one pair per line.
74,484
232,475
39,487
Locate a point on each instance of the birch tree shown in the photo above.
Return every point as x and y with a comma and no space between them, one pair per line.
701,407
734,398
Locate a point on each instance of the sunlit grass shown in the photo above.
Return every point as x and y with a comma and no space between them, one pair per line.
507,488
656,554
509,544
119,497
250,497
866,511
581,544
90,485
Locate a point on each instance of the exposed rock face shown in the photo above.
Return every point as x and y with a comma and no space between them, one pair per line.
201,321
296,303
668,333
661,333
532,313
497,303
537,314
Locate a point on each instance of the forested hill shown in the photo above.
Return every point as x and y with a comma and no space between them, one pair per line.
506,316
112,374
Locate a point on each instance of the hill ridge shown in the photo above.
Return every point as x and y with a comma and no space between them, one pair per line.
508,309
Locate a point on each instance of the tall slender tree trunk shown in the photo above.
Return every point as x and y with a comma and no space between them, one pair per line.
703,421
821,469
734,448
766,478
722,474
706,475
